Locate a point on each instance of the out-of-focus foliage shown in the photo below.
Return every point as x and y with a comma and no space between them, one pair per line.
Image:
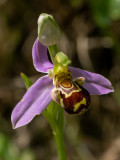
91,39
75,3
104,11
9,150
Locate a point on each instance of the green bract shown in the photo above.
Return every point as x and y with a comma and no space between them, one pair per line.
27,81
49,32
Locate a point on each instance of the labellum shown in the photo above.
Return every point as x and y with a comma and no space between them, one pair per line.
70,94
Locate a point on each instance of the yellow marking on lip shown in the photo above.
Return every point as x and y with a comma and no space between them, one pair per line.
68,95
61,102
77,105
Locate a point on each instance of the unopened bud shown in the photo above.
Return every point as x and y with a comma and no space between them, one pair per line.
49,32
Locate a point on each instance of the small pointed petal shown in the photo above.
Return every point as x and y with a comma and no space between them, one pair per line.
79,80
96,84
54,95
40,58
35,100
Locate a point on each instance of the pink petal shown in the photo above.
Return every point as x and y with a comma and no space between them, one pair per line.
96,84
40,58
35,100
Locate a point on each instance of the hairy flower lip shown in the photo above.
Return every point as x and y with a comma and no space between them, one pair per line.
38,96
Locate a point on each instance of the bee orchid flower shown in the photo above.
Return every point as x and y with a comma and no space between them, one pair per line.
67,92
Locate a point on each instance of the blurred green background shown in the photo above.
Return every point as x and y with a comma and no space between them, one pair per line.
91,39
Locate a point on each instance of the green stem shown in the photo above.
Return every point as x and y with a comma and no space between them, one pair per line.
53,50
54,115
55,118
58,132
59,138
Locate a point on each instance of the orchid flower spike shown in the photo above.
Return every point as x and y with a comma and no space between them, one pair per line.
38,96
69,86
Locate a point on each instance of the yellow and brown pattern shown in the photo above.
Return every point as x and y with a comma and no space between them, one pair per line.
72,96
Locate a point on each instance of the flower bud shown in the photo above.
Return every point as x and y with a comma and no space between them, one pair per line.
49,32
